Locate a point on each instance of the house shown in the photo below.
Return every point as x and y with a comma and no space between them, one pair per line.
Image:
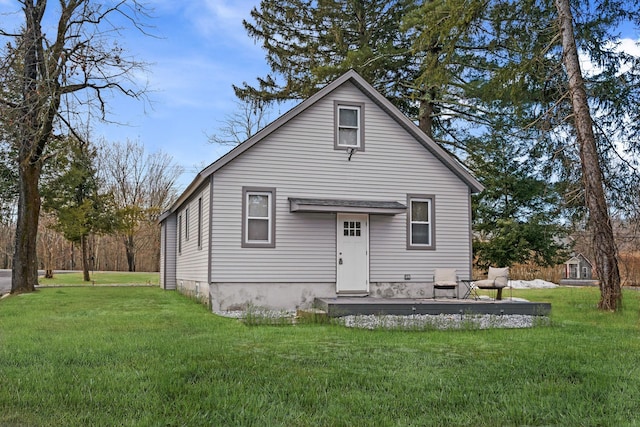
578,270
578,267
342,195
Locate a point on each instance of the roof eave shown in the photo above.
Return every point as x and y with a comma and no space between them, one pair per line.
474,185
454,165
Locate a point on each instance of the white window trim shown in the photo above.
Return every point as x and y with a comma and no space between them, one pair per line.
271,218
200,223
430,199
179,234
359,107
186,225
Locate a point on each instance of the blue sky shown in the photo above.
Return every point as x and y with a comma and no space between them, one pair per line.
201,50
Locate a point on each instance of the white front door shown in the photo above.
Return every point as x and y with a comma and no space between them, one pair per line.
352,254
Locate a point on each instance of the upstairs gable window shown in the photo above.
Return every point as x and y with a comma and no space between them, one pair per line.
349,122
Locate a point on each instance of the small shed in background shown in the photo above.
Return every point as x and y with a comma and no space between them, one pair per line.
578,267
578,270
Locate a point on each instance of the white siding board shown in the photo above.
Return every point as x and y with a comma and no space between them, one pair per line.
168,253
299,161
163,231
192,261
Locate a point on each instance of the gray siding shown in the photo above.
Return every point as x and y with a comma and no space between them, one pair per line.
163,230
168,250
192,260
299,160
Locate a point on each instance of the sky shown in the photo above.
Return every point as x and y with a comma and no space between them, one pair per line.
198,50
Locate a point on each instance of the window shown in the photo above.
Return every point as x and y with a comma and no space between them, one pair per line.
349,126
186,224
200,223
352,228
179,234
420,222
258,222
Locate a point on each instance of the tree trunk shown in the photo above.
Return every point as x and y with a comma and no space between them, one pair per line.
425,117
24,273
130,246
72,263
85,259
604,246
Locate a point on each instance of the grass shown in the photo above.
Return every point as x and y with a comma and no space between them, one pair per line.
74,278
141,356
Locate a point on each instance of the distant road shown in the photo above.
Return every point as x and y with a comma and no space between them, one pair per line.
5,281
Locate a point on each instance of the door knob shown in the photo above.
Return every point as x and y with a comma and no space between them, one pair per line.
340,261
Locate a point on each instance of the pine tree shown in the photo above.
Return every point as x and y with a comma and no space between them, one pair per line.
310,43
503,61
517,217
603,239
75,197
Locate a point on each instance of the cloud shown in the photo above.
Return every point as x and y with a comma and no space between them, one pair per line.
630,46
221,20
198,79
627,45
227,11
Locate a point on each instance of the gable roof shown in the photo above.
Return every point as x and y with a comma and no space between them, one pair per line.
350,76
577,258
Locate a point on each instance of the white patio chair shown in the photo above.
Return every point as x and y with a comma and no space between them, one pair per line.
498,279
445,278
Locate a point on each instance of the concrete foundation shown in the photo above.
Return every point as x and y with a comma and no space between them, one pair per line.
193,289
294,296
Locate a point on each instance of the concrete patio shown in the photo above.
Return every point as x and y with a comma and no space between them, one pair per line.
345,306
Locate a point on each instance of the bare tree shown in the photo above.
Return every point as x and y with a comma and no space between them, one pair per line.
8,199
606,257
242,124
41,77
143,186
7,234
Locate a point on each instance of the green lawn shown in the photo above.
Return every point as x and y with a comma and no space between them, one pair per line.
104,356
99,278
